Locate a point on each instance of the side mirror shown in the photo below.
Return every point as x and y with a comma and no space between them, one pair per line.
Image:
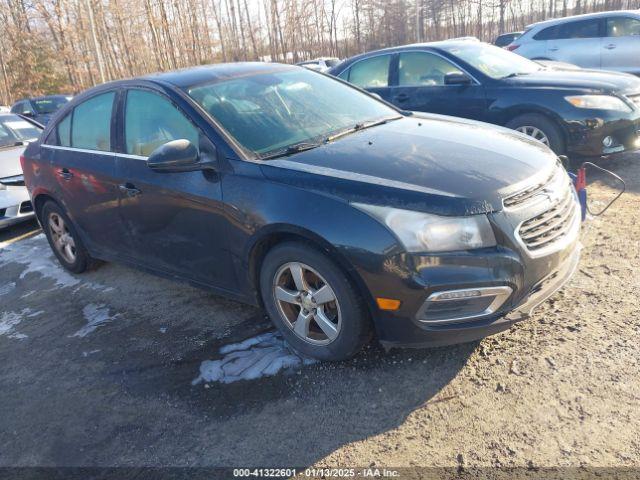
177,156
29,114
455,78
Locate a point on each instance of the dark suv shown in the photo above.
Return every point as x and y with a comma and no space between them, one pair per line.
286,188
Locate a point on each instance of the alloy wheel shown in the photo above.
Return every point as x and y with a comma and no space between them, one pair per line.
307,303
62,238
535,133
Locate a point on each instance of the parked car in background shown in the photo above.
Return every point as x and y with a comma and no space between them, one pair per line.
4,109
506,38
320,64
40,109
574,112
286,188
605,40
15,133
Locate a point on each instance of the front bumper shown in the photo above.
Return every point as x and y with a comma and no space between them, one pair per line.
15,206
506,282
586,136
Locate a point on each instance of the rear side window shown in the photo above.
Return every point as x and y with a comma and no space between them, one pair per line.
571,30
421,68
64,131
91,123
623,27
152,121
371,72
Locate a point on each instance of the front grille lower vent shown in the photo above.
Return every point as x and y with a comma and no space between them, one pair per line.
550,226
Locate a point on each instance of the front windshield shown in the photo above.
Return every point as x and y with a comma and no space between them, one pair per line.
15,130
271,111
493,61
47,105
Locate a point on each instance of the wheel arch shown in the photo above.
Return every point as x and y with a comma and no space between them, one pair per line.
277,234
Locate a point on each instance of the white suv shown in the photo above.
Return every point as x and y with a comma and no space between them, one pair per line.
606,40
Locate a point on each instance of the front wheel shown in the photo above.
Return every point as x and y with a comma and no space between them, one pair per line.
541,129
313,303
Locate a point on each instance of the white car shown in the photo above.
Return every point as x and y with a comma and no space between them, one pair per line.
15,133
605,40
320,64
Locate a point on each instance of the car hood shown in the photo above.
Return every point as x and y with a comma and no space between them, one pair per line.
431,163
10,161
594,80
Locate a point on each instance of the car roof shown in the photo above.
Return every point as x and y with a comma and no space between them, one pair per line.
414,46
216,72
585,16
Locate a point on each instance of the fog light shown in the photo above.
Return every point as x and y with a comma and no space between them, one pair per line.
607,141
455,295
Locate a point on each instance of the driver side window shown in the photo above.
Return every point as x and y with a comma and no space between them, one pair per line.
152,121
423,69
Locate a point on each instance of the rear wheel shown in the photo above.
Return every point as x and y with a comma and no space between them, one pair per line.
64,240
313,303
541,129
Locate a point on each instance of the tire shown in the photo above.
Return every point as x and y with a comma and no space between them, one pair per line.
348,313
548,128
81,261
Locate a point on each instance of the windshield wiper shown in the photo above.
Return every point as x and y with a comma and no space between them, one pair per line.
291,149
514,74
360,126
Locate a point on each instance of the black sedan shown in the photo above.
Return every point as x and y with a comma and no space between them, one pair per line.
581,112
40,109
285,188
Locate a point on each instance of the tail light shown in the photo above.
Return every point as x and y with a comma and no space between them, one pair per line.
512,46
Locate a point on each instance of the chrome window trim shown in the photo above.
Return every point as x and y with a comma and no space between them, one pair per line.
99,152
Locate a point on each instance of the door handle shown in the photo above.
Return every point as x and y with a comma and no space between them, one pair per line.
130,190
611,46
65,174
402,97
553,49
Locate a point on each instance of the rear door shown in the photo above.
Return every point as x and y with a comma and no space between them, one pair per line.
576,42
79,152
419,85
176,220
372,74
621,44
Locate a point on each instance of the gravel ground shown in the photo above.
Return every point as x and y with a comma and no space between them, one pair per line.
99,370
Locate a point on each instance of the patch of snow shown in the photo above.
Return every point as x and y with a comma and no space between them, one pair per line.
96,316
34,253
7,287
256,357
9,320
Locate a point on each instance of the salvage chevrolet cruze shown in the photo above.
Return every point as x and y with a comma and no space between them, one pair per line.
338,214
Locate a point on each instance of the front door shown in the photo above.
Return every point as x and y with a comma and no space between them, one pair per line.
83,164
175,220
419,85
621,45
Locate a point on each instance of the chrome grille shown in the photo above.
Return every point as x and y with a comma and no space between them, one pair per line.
525,195
551,225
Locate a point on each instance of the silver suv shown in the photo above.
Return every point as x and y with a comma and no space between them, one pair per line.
606,40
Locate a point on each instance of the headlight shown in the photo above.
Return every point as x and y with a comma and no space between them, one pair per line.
599,102
423,232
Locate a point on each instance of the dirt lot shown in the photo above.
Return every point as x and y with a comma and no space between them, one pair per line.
98,370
